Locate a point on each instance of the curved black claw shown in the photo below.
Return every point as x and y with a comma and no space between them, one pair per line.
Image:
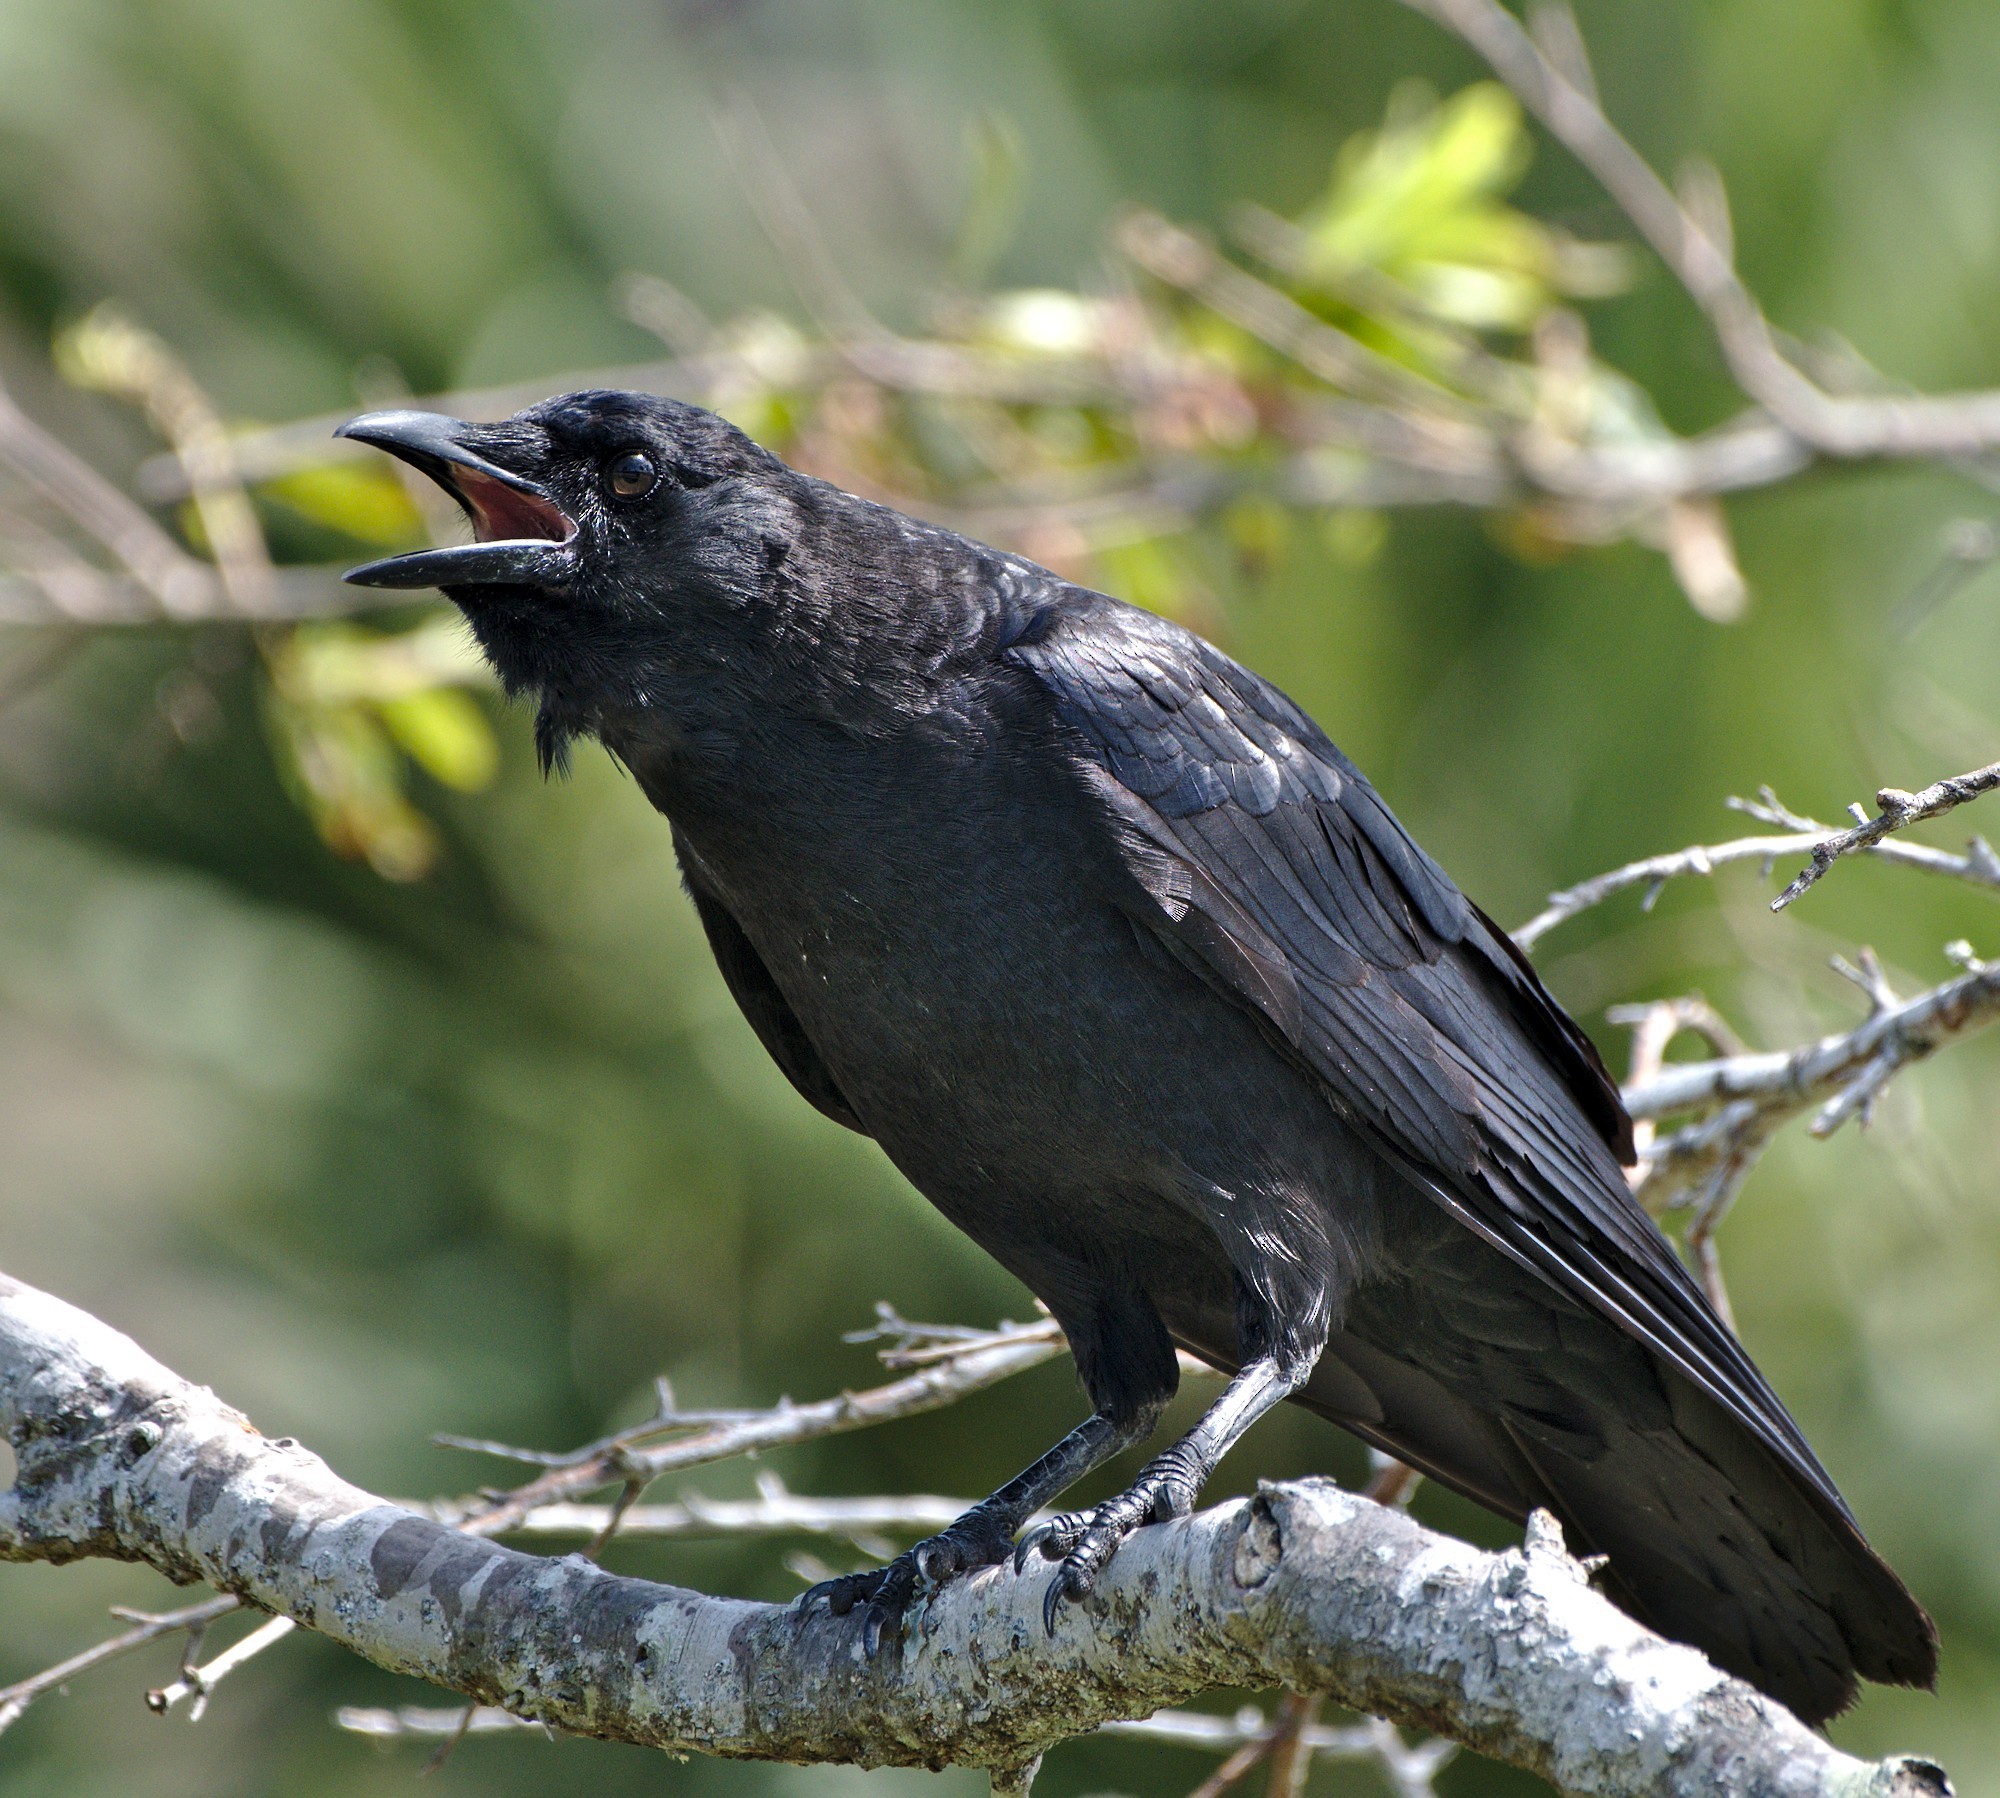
1084,1542
1054,1538
975,1540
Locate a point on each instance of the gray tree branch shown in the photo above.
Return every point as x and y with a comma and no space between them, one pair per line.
1305,1586
1691,235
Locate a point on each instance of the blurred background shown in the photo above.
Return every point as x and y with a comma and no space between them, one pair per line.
364,1076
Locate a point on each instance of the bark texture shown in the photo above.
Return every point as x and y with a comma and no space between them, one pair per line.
1305,1586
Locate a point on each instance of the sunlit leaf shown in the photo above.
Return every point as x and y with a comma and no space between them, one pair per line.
345,772
1421,202
445,733
365,500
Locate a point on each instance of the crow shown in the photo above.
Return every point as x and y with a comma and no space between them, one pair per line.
1134,976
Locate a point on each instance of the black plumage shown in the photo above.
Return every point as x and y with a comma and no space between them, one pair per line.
1133,974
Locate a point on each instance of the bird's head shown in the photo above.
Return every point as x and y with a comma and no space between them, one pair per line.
598,519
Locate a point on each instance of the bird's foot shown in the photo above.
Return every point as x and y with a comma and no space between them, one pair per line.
884,1594
1083,1541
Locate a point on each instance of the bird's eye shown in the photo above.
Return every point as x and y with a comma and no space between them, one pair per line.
631,474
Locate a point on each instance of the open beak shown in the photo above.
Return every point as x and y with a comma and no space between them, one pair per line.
524,537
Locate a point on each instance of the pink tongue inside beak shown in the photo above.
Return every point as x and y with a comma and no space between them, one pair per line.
502,514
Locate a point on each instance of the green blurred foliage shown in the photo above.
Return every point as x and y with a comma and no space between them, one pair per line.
484,1152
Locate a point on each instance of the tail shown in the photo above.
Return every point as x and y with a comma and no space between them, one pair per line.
1507,1391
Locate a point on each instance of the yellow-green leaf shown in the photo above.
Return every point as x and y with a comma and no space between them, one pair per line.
366,500
446,734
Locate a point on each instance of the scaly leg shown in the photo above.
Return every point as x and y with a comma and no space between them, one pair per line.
984,1536
1168,1486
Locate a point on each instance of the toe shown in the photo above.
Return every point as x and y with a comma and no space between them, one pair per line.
938,1560
1039,1538
841,1594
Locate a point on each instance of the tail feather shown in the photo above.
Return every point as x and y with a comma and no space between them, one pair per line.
1507,1391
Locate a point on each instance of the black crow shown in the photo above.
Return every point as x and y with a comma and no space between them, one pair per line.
1138,980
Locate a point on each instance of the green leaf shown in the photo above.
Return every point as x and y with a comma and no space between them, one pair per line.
446,734
366,500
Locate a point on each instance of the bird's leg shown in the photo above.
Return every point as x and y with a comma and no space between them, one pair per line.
984,1536
1167,1487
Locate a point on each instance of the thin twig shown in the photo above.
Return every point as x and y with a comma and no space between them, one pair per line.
1180,258
1390,1481
1978,866
1240,1763
198,1682
111,353
1899,811
775,1511
175,583
427,1723
1291,1754
1654,1025
1840,1076
146,1628
1410,1768
978,1364
1697,252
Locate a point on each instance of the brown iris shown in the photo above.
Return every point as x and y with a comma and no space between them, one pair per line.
631,474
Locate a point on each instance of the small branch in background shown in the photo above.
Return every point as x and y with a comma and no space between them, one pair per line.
1899,811
1652,873
146,1627
1823,843
174,583
198,1682
1822,1074
1690,234
775,1511
1276,1742
1840,1077
1183,260
1741,1099
974,1363
110,354
420,1723
1390,1482
87,596
1654,1027
1970,547
1410,1769
1291,1756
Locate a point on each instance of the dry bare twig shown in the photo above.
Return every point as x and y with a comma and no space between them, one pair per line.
146,1627
1899,810
1745,1098
699,1438
1690,234
1823,843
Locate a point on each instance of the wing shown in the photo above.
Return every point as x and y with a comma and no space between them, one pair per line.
756,993
1261,857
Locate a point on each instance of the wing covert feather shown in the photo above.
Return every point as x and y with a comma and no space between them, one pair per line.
1262,857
